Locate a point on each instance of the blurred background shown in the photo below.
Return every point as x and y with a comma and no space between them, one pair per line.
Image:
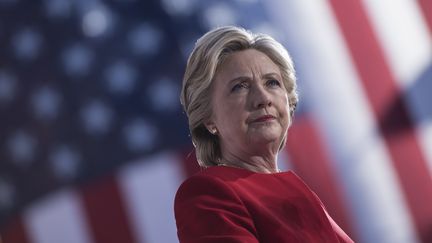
94,144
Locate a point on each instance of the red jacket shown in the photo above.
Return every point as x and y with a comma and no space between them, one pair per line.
227,205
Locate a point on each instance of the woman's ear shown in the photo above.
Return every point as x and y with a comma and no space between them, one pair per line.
211,127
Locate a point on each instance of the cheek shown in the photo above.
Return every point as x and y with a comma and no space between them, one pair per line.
284,110
283,102
227,114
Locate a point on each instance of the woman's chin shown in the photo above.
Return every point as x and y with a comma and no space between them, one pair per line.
265,136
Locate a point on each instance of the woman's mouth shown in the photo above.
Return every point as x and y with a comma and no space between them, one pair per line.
264,118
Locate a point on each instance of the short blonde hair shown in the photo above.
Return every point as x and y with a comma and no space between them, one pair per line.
209,53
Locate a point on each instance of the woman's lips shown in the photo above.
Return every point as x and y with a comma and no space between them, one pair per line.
264,118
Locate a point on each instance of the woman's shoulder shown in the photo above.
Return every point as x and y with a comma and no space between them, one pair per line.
205,187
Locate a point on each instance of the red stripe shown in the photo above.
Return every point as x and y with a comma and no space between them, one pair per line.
313,164
14,232
426,7
106,212
389,109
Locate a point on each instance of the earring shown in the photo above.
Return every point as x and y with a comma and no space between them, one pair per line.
213,131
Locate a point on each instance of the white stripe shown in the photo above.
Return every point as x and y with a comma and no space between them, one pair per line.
58,218
148,189
403,35
332,86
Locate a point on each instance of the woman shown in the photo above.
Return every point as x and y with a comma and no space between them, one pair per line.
239,93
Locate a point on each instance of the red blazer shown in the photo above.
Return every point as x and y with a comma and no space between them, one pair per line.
226,204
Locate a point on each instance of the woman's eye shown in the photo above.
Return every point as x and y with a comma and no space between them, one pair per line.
239,86
273,82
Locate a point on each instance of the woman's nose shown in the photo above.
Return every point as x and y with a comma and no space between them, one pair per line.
261,97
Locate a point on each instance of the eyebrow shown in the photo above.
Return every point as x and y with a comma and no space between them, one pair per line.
238,79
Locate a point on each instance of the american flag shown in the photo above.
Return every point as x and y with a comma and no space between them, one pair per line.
93,141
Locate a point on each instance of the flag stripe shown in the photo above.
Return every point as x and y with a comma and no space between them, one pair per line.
149,189
14,232
426,7
105,211
58,218
389,108
313,164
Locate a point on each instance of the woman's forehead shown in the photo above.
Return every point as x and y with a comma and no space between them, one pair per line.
247,62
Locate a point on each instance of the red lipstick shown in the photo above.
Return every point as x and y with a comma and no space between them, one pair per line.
264,118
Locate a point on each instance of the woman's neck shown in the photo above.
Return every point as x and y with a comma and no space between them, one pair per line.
253,163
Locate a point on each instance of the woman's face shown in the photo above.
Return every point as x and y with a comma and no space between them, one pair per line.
250,102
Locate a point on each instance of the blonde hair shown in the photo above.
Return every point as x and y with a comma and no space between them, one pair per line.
209,53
